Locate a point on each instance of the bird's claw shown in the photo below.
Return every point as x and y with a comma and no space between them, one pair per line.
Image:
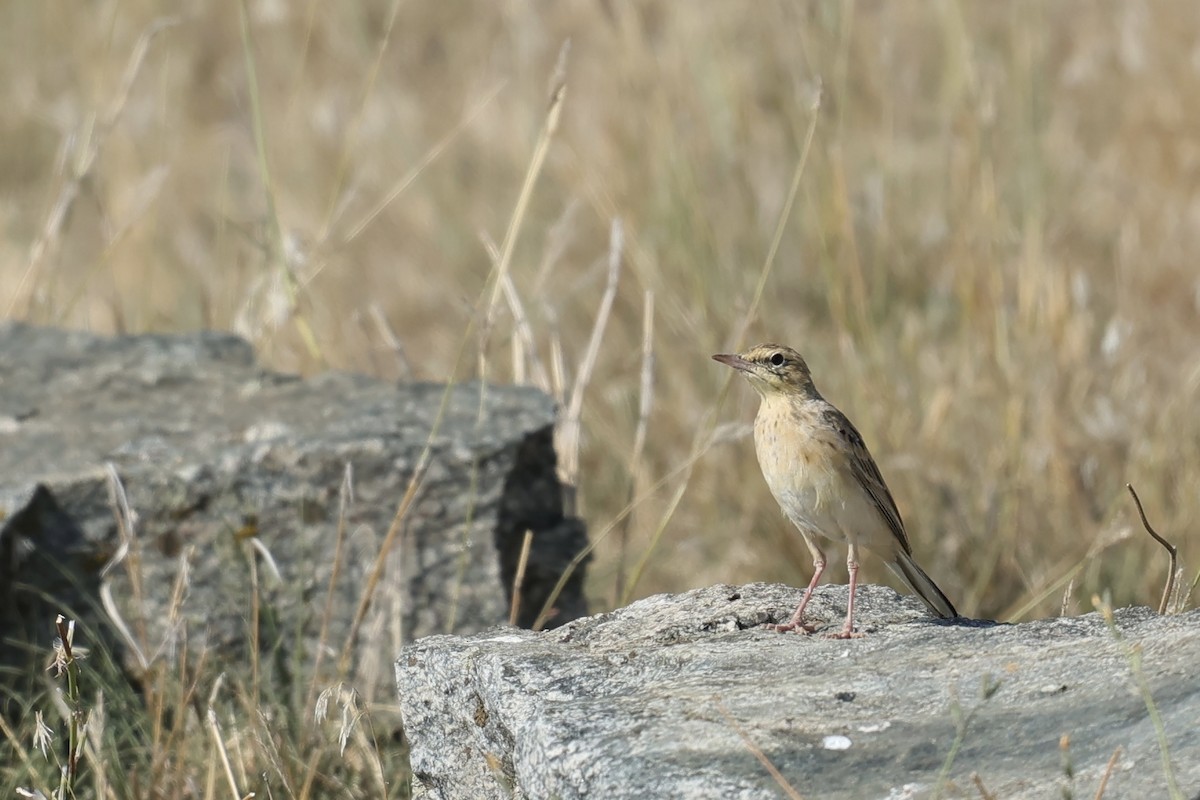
846,635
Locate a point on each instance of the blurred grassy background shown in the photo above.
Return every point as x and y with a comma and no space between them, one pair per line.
990,264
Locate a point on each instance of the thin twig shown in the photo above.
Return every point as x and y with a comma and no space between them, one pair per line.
391,340
519,579
757,752
524,339
1112,762
569,431
415,481
557,240
468,526
558,91
214,728
636,465
1064,759
558,363
1064,607
979,787
345,501
126,551
255,626
1170,548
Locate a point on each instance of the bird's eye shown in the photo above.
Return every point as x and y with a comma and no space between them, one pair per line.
777,360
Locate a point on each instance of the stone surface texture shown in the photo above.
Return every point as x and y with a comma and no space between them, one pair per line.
673,695
236,470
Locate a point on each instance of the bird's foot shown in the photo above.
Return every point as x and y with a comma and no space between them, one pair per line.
788,627
846,633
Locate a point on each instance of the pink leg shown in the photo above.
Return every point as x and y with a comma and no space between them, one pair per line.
796,622
851,567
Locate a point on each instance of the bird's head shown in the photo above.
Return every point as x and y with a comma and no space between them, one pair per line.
772,370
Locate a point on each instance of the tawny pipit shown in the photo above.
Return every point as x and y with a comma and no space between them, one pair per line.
826,482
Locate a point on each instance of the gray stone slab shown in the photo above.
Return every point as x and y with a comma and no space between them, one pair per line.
666,698
211,447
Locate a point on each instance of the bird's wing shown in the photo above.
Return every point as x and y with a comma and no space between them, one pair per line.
866,473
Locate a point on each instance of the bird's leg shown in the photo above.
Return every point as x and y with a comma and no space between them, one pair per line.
796,622
851,567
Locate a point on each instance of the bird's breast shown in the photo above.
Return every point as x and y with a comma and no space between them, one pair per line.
798,465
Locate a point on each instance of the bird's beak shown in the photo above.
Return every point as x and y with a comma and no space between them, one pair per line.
735,361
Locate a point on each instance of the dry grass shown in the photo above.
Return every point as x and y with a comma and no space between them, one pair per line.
990,264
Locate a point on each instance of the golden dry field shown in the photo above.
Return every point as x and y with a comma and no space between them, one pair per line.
980,222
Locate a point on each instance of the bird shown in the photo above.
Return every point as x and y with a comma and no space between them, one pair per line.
819,470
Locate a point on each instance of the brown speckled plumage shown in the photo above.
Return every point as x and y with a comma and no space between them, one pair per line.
820,471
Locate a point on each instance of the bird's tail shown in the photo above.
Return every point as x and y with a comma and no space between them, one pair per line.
922,585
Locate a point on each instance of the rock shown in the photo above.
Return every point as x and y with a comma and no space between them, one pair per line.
231,466
675,696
